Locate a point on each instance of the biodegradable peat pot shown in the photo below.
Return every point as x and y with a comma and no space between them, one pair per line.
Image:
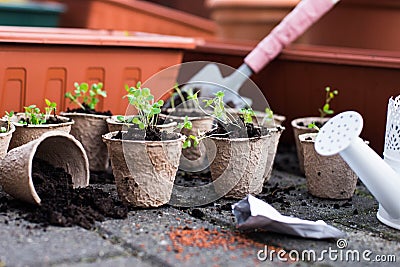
26,133
60,149
327,176
193,158
115,125
239,164
275,133
300,126
5,138
148,178
88,129
277,119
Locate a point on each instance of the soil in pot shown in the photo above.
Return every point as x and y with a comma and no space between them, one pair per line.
232,131
51,120
64,206
151,134
87,110
238,169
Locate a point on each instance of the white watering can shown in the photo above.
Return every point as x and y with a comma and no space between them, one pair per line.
381,176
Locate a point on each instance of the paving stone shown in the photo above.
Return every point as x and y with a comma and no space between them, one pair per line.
147,233
25,244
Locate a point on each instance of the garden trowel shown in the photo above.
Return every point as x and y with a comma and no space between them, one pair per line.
210,80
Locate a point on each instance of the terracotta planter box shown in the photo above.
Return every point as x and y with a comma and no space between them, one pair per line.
360,24
292,83
45,62
131,15
250,19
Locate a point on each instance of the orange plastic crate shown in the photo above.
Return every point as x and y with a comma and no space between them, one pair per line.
38,63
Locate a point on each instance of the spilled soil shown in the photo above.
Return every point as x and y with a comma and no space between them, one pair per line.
61,204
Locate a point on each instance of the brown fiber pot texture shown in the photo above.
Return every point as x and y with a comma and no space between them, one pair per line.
275,133
327,176
114,125
298,130
239,164
88,129
24,134
144,171
58,148
194,158
5,139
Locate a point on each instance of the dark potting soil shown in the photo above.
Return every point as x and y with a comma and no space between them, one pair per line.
233,131
50,120
151,134
317,123
62,205
87,110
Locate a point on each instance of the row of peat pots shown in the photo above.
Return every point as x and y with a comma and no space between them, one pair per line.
144,162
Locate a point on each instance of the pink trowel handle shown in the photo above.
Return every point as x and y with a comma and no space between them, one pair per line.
291,27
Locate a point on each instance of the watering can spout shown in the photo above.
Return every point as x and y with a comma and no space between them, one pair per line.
340,135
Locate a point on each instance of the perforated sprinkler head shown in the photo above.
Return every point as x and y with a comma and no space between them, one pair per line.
341,135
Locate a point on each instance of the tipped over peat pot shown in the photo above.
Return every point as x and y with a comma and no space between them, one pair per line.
60,149
144,171
115,125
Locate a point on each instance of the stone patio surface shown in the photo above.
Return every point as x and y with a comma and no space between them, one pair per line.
173,236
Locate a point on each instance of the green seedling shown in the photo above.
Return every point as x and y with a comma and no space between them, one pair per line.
51,108
85,96
269,115
248,115
313,126
143,101
326,108
190,96
9,115
33,116
219,111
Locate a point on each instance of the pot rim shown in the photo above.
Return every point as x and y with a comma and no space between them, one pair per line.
33,151
52,125
12,129
311,118
84,115
113,120
205,117
108,138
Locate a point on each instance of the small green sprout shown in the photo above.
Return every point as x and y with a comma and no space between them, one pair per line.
143,101
269,116
326,110
187,124
219,111
313,126
87,100
33,116
51,107
248,115
189,140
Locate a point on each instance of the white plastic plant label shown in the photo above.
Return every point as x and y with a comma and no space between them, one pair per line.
252,213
